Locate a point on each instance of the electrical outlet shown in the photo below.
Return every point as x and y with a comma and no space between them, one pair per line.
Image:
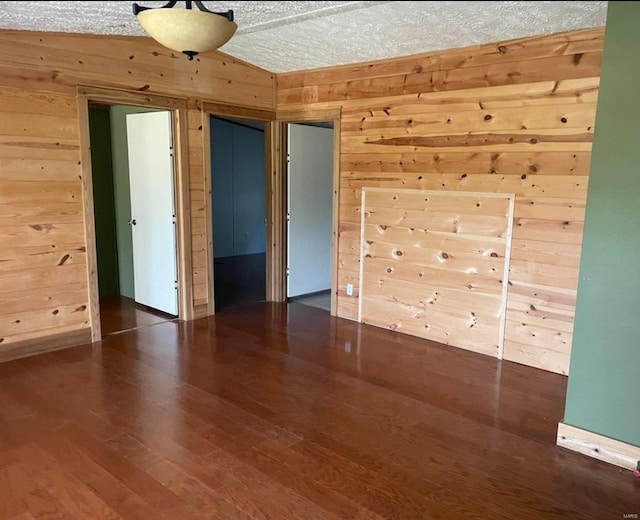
349,289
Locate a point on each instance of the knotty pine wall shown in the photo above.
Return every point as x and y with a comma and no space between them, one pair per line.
43,275
514,117
433,263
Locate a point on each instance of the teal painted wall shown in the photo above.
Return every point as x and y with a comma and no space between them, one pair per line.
103,195
237,184
604,378
122,194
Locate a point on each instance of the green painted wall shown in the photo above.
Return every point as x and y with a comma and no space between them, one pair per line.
102,178
122,195
604,378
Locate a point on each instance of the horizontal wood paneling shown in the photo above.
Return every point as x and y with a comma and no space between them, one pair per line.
450,252
43,254
509,51
198,199
36,343
511,117
60,62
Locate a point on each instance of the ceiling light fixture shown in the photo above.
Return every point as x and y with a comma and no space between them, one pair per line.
186,30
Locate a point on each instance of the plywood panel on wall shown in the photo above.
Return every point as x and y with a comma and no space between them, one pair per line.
509,117
434,265
43,254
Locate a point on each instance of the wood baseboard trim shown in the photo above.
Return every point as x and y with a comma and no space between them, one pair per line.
598,446
32,347
200,311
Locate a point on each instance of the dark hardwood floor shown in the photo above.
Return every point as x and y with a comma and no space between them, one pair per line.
239,279
280,411
118,314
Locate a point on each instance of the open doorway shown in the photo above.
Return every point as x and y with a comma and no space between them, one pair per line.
310,177
238,210
132,172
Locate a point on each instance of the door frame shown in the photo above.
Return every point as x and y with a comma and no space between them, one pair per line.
87,94
298,116
272,237
275,191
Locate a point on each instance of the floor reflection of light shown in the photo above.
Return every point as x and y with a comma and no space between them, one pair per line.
348,348
164,359
358,343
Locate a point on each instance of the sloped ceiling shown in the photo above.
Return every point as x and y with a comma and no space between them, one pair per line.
287,36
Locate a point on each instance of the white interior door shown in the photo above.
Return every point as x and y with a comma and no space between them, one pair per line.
310,212
149,145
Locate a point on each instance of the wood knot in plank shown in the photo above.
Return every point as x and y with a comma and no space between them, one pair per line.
42,227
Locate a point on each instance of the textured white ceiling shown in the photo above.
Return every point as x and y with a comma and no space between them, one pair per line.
286,36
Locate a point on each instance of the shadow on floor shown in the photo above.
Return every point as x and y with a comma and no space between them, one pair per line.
319,300
239,279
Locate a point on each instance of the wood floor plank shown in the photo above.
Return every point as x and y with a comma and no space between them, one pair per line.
140,482
23,495
262,497
279,411
11,504
123,500
74,495
186,461
201,498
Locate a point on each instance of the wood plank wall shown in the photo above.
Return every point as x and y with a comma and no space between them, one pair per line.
433,265
516,117
43,276
199,206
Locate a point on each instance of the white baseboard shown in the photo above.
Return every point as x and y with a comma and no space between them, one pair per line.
598,446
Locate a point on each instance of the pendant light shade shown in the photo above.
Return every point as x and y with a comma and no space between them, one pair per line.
186,30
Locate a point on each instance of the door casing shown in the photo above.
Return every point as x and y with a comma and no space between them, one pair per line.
297,116
178,107
275,191
309,208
